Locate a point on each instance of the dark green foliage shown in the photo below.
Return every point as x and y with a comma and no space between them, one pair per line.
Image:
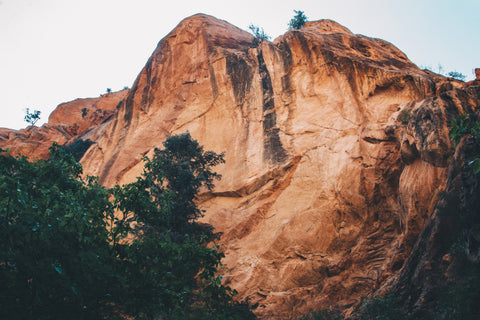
175,175
78,148
463,125
258,33
321,315
109,90
53,241
298,21
170,247
404,117
457,75
32,117
381,308
466,125
71,249
84,112
459,301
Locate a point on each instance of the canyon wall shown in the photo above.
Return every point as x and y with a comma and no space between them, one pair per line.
336,147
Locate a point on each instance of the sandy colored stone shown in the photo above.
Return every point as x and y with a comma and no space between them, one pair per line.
324,190
65,124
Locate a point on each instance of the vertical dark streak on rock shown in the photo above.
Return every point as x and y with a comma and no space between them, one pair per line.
148,86
127,117
107,168
287,60
240,75
273,149
213,82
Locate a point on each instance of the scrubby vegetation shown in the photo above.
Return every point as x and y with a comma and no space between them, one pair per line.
72,249
463,125
457,75
258,33
32,117
298,21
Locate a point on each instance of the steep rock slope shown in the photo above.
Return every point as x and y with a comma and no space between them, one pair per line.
441,276
81,118
336,147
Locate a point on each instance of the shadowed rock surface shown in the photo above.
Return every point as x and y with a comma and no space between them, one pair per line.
336,148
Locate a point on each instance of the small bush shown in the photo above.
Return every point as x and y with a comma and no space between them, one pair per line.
457,75
258,33
463,125
298,21
32,117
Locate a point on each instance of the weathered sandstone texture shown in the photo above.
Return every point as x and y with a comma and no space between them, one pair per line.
81,118
336,148
438,270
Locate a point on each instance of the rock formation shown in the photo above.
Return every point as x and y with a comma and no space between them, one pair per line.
81,118
336,148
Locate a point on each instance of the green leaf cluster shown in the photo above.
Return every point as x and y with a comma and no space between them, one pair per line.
463,125
466,124
457,75
298,21
258,33
72,249
32,117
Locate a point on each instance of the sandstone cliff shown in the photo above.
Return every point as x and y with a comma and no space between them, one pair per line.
78,119
336,148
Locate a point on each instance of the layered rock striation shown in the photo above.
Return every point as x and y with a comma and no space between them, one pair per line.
336,148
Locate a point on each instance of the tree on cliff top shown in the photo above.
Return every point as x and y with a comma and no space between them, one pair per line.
32,117
258,33
298,21
72,249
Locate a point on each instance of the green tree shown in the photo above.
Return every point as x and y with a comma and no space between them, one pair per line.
298,21
32,117
162,202
54,244
258,33
72,249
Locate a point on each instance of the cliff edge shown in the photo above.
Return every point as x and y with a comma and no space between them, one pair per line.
336,149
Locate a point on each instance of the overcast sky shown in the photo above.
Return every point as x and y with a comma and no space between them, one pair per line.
53,51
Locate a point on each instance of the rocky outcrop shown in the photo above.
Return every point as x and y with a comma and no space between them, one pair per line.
81,118
441,276
336,148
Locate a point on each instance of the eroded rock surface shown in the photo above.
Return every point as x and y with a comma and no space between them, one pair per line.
81,118
336,147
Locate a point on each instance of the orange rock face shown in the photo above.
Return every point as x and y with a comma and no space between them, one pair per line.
336,147
81,118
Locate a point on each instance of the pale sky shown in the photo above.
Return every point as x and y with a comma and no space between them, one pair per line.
54,51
